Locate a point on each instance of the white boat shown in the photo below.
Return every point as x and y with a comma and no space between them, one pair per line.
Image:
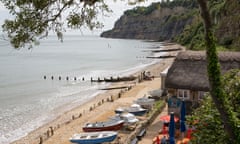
93,137
156,94
145,102
135,109
129,119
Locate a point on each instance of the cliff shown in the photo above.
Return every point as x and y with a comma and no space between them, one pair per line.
180,21
161,23
228,24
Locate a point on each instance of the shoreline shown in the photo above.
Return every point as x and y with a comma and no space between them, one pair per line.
70,122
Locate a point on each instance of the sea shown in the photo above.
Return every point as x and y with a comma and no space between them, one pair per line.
29,97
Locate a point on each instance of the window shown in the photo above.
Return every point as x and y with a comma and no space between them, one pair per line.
201,95
183,94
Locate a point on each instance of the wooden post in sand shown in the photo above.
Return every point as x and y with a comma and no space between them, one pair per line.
48,133
40,140
111,98
51,129
80,115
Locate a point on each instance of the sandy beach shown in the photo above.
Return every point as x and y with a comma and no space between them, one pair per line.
100,108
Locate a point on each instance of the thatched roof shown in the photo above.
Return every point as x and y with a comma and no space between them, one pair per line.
189,70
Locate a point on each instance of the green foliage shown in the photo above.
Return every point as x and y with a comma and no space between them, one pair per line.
209,127
216,7
231,82
156,107
142,10
184,3
192,35
158,104
206,118
163,4
221,48
34,19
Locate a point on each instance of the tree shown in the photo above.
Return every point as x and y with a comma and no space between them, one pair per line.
33,19
206,118
214,75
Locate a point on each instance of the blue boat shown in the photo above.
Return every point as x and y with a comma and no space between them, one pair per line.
135,109
93,137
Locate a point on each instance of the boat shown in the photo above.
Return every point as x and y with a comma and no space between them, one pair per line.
145,102
110,125
157,94
135,109
93,137
129,119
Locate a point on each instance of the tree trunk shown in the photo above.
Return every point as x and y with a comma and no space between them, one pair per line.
214,74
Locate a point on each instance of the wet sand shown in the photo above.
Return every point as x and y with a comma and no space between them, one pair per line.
99,108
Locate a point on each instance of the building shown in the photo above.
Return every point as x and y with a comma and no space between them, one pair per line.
187,77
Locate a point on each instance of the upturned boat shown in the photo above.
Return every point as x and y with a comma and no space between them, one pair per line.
145,102
93,137
110,125
129,119
135,109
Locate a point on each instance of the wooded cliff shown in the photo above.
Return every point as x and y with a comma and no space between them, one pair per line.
180,21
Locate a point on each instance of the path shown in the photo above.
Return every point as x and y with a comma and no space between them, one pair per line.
153,128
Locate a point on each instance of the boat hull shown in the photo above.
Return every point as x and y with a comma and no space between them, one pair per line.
115,127
146,101
94,140
129,119
136,113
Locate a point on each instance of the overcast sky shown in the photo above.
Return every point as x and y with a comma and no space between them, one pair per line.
118,8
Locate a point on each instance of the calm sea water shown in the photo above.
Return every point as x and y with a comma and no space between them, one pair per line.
27,100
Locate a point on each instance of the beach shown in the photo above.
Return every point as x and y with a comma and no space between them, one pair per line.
99,108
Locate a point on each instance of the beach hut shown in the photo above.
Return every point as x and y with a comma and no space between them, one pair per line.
187,77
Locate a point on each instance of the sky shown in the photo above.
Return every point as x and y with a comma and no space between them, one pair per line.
117,7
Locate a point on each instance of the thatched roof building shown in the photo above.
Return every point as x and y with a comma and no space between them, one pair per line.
189,70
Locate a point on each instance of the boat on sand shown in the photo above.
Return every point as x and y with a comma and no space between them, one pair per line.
135,109
93,137
145,102
110,125
129,119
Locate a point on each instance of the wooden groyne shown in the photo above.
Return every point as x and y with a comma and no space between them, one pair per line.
112,88
159,57
61,78
118,79
163,50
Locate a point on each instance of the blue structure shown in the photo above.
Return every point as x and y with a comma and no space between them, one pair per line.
183,117
171,129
